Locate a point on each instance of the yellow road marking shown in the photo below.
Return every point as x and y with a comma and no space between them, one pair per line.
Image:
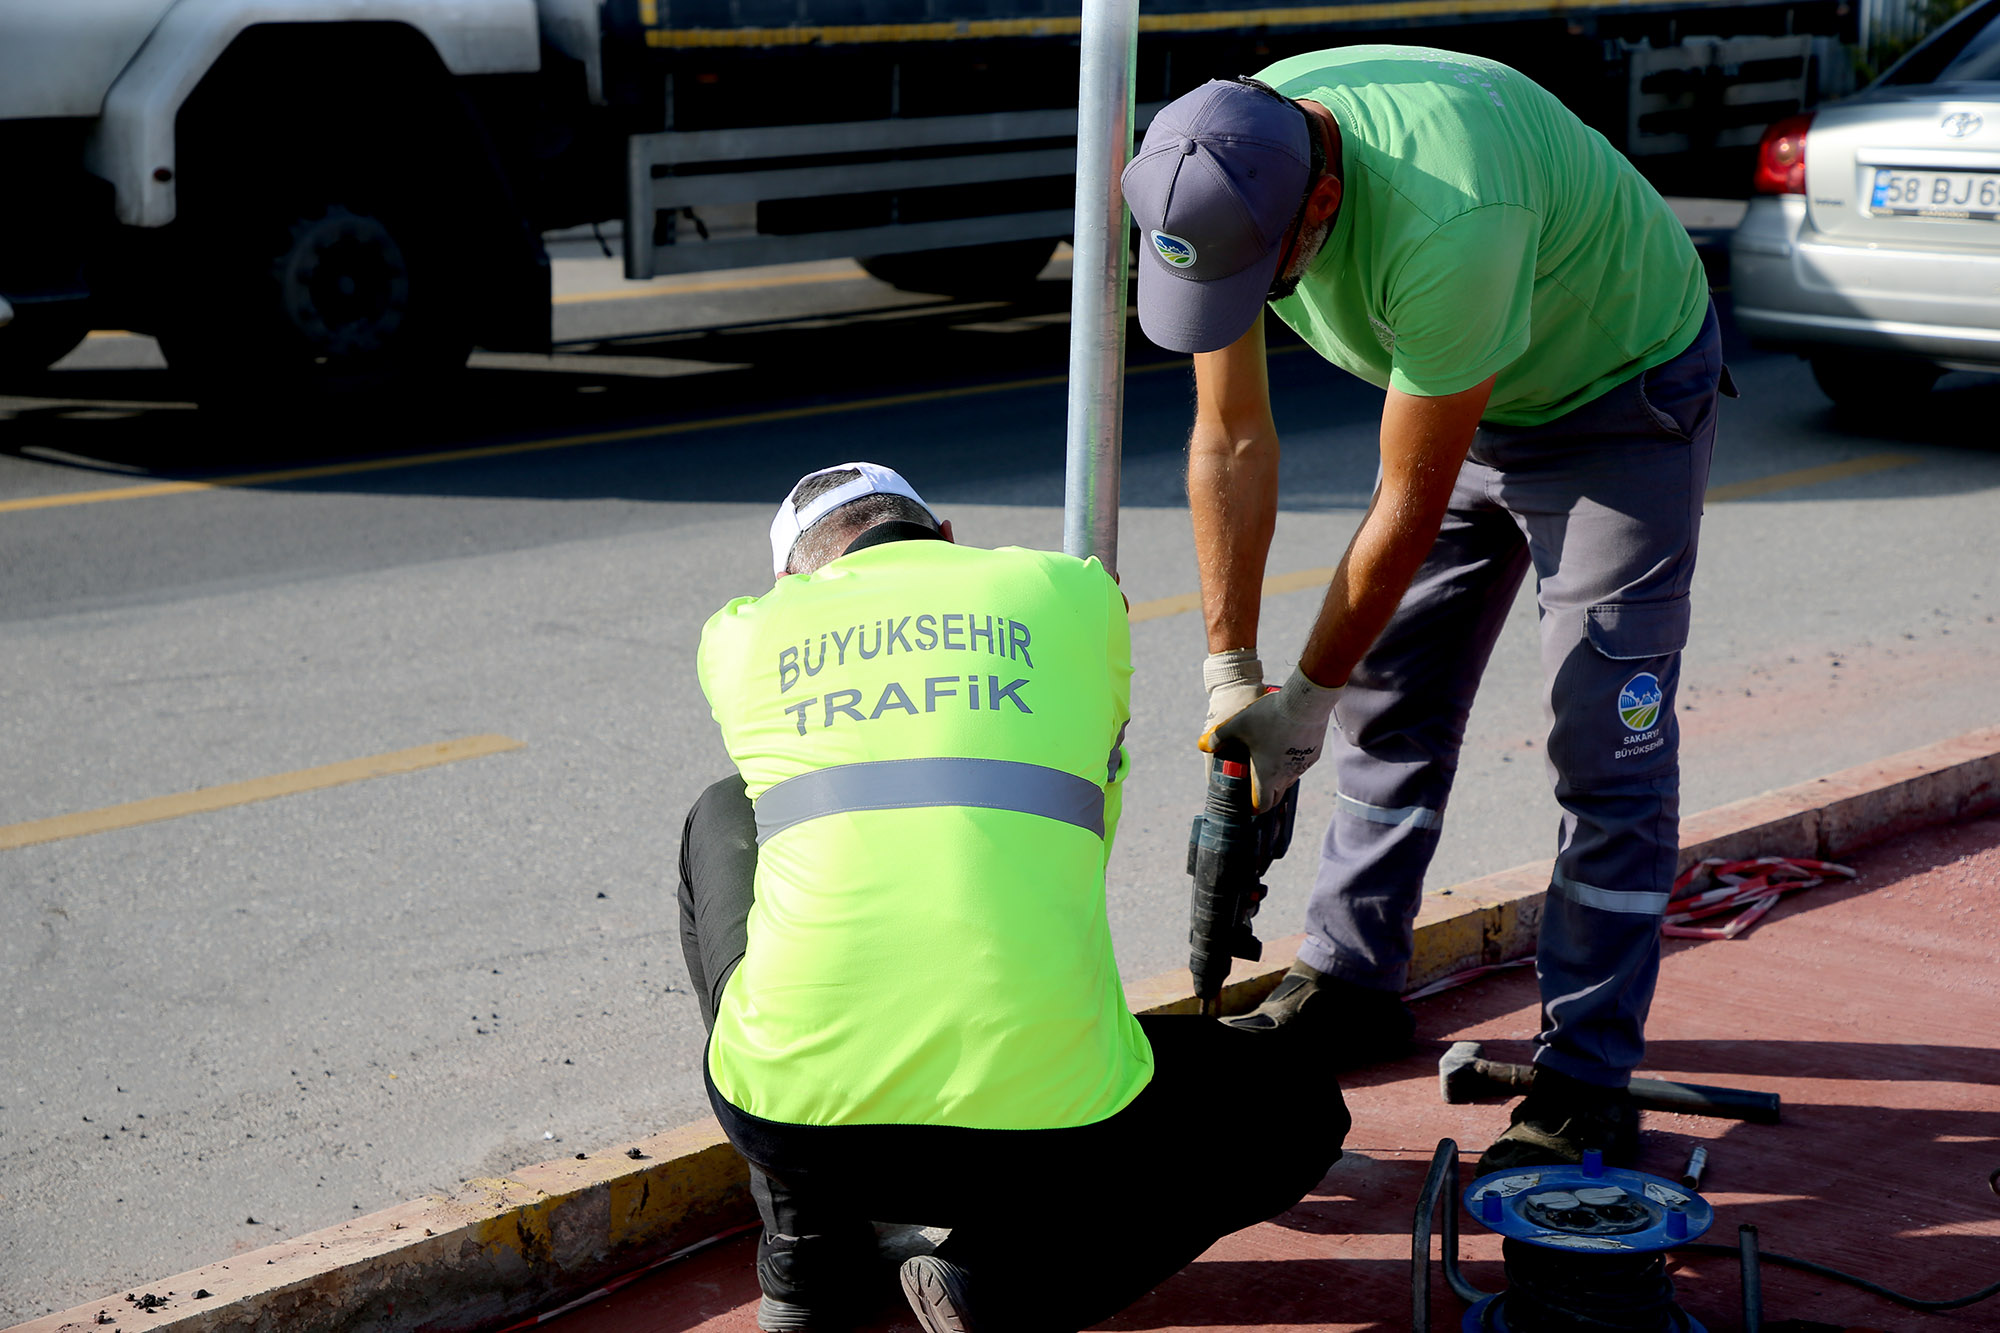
683,289
256,789
1809,476
1299,580
1191,601
151,490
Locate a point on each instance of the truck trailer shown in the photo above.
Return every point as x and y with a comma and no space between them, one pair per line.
327,196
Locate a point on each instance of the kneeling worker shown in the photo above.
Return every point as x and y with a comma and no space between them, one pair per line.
895,924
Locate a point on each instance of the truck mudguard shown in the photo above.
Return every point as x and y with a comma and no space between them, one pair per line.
132,145
575,28
56,60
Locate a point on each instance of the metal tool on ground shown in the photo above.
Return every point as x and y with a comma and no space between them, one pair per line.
1691,1174
1229,849
1464,1075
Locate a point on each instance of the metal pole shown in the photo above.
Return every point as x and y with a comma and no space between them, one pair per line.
1100,268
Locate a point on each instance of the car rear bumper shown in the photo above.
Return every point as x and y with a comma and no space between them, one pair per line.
1797,287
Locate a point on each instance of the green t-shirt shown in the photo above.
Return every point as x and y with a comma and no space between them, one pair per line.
1484,228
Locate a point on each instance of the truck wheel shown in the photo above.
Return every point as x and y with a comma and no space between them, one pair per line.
325,288
38,337
1871,384
1004,268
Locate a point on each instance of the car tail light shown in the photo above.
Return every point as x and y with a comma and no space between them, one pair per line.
1781,157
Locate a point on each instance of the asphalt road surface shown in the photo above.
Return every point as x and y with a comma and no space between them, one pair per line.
253,1020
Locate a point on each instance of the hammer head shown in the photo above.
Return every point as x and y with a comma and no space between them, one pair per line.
1459,1076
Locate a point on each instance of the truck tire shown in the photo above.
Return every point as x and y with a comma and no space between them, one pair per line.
1872,385
328,288
322,249
1004,268
38,337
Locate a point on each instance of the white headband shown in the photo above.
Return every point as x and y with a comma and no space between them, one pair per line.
791,520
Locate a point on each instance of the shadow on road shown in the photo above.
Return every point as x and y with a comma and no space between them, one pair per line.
126,420
131,424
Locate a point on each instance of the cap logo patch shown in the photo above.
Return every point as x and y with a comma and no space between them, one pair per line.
1173,249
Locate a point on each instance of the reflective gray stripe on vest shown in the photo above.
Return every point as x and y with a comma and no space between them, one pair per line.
1422,816
1609,900
905,784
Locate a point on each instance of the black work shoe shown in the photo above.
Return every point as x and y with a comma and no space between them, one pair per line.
1355,1025
1561,1117
818,1284
936,1290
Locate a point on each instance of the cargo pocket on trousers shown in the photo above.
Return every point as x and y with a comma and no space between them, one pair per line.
1617,732
1633,631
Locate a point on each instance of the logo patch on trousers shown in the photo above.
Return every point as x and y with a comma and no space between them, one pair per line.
1639,702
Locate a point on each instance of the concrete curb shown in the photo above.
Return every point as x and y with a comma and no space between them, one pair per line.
500,1249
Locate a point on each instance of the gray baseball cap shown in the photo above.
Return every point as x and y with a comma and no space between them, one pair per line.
1214,188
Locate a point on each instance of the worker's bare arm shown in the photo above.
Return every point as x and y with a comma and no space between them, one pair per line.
1232,482
1424,441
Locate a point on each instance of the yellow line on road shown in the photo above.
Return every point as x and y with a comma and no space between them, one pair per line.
732,285
1302,579
1295,581
256,789
280,477
152,489
1809,476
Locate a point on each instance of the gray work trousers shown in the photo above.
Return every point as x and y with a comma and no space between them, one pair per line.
1604,504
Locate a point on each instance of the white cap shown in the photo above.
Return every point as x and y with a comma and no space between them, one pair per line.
791,520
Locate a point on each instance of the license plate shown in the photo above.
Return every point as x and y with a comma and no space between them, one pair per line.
1936,194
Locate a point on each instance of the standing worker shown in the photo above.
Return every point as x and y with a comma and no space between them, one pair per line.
894,921
1442,227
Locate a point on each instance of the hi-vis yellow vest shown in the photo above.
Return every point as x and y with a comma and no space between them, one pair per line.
931,736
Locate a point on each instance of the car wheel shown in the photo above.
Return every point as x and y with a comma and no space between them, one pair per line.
1863,383
1004,268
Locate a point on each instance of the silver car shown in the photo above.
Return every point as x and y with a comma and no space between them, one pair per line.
1872,246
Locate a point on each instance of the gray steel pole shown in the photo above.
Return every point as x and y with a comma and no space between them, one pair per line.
1099,272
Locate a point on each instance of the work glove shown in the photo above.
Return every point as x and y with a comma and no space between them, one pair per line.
1284,732
1234,680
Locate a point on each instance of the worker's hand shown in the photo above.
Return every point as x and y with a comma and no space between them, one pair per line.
1234,680
1284,731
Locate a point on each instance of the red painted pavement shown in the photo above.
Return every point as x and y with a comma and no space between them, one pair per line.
1873,1009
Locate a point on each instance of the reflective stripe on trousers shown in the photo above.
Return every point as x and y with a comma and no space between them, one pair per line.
905,784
